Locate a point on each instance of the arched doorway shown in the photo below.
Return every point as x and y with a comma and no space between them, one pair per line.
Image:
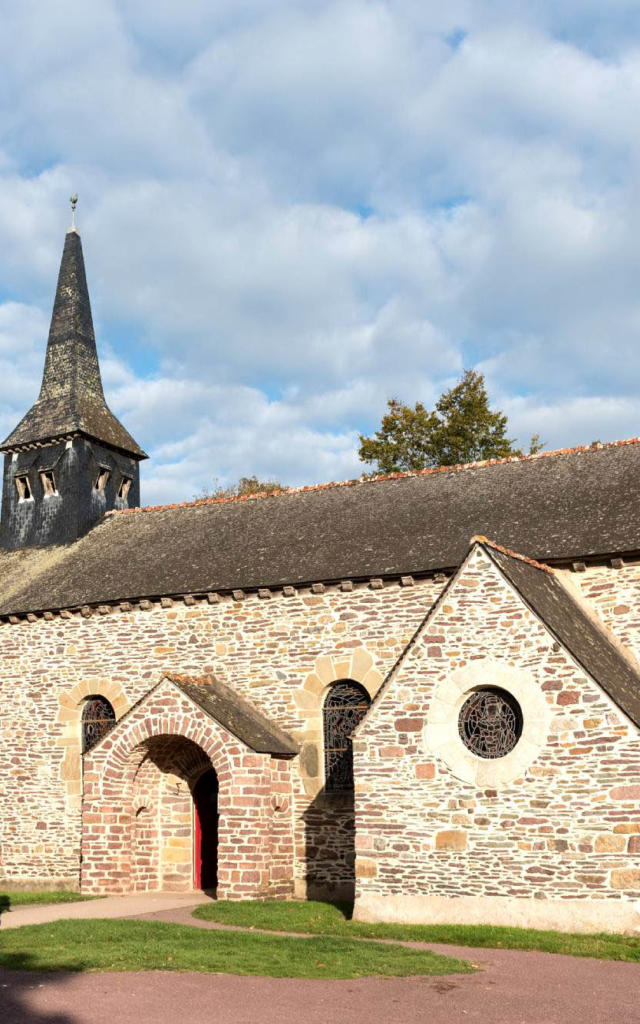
139,786
171,772
205,841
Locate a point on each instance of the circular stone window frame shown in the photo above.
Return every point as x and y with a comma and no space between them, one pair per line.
442,739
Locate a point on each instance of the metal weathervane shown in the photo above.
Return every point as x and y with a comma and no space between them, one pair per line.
74,202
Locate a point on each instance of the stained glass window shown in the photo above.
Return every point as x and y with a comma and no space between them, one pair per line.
98,717
345,706
490,722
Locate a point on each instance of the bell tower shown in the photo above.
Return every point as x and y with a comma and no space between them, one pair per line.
69,460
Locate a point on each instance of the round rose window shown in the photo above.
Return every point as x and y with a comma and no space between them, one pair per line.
490,722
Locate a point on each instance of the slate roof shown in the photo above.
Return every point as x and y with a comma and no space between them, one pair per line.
71,398
576,630
558,506
236,714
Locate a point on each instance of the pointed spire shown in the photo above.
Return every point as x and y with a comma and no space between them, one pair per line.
71,399
71,365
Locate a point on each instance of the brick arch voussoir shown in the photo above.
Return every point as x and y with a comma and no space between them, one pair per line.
117,770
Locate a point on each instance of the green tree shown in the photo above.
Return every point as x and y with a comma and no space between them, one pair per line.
405,440
462,428
245,486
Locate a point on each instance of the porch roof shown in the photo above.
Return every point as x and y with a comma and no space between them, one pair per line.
236,714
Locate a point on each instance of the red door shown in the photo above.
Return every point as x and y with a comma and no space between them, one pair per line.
205,840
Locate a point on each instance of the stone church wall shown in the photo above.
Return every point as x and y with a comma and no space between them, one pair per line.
570,825
615,595
552,839
281,652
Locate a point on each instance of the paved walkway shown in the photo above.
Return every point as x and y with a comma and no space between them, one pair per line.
108,906
511,987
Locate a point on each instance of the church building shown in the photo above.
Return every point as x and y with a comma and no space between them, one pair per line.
418,691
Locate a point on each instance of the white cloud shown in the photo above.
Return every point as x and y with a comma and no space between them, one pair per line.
291,212
213,430
21,330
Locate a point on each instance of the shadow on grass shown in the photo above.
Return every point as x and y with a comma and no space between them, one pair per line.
344,907
20,987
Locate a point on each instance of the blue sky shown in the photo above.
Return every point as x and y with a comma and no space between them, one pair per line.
292,211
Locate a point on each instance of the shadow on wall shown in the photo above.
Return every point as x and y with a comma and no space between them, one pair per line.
330,844
22,992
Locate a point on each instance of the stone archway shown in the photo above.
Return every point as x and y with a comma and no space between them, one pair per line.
137,805
358,666
168,770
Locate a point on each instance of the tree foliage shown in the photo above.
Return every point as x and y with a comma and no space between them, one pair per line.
404,441
461,428
245,486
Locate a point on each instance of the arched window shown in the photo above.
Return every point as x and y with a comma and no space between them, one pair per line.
98,717
345,706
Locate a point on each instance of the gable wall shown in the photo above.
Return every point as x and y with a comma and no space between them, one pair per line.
266,649
567,828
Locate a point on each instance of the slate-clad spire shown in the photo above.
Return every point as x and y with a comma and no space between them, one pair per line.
69,460
71,399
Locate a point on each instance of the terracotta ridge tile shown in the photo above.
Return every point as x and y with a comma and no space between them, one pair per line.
380,478
201,680
479,539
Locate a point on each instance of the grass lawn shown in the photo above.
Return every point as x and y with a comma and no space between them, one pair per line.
328,919
21,898
129,945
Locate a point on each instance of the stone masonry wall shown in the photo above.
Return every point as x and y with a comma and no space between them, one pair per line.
566,826
281,652
615,595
